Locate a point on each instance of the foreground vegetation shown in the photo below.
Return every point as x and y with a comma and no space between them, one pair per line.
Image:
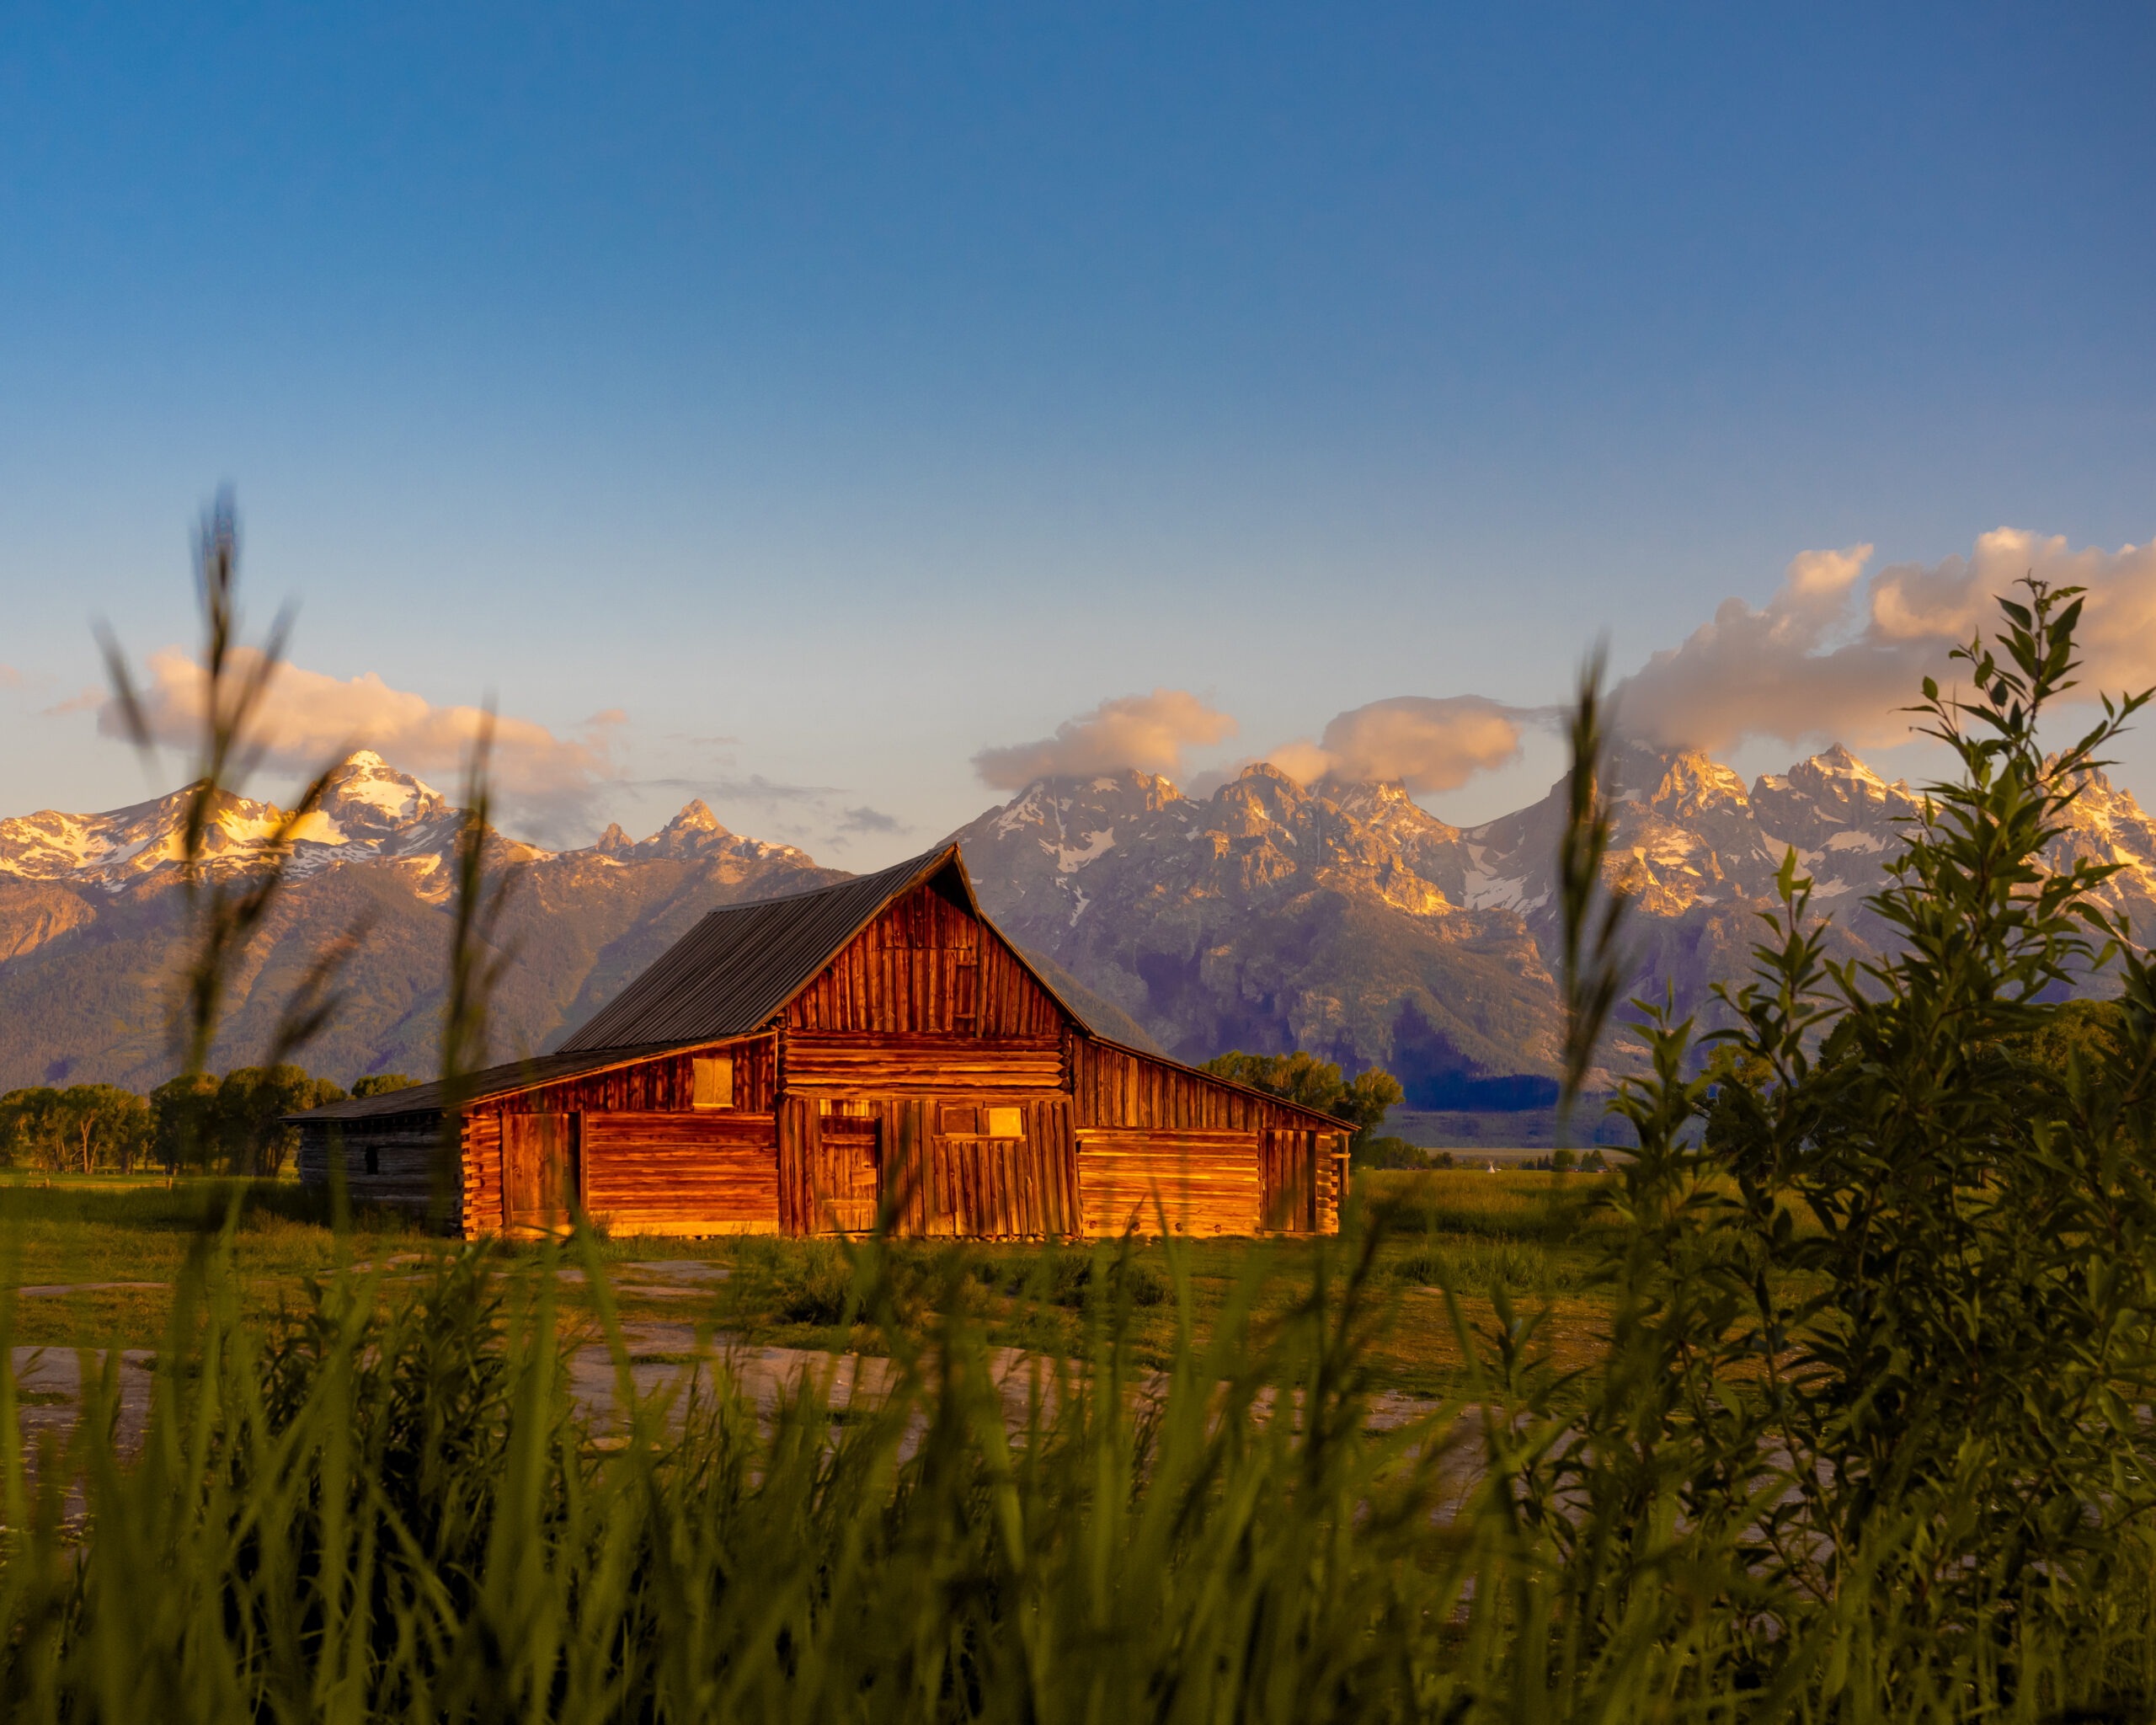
388,1505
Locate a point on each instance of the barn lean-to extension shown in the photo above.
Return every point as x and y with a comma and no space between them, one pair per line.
806,1064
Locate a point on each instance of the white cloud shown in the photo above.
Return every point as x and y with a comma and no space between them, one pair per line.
1147,731
307,719
1423,742
1818,663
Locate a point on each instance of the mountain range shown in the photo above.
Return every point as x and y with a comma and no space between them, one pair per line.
1340,918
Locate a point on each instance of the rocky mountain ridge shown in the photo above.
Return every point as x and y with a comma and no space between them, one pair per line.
1344,919
92,928
369,813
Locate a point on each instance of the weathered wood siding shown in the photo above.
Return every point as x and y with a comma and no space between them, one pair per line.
659,1086
482,1139
1156,1140
718,1192
798,1131
892,1063
1288,1177
386,1161
1118,1088
1194,1181
713,1172
948,1174
926,965
889,1060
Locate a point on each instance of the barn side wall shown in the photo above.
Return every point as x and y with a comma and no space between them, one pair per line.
707,1173
659,1086
1159,1144
388,1160
648,1161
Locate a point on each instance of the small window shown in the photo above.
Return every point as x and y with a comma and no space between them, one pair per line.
713,1082
958,1119
1007,1123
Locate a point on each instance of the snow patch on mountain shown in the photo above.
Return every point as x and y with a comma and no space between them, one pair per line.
1069,858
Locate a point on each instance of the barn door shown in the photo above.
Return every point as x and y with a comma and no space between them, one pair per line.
847,1175
540,1172
1000,1170
1287,1194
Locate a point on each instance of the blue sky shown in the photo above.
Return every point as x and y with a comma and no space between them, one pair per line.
866,386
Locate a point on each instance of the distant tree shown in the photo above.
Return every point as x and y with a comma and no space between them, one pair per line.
31,1128
1302,1077
104,1124
381,1084
250,1103
1389,1152
184,1121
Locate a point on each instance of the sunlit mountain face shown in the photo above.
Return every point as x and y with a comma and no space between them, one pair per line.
1340,918
1346,920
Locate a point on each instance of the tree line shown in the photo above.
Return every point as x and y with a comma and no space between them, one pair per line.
196,1122
1358,1104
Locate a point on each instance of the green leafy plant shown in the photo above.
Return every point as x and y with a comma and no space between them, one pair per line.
1879,1367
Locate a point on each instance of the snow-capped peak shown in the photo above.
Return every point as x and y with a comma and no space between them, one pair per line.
366,795
695,816
368,811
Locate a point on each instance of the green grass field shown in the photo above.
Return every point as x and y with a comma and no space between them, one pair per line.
1531,1232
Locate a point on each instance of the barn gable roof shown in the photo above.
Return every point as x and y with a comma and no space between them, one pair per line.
741,965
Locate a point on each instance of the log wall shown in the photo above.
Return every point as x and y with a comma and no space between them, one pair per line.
659,1086
387,1160
912,1064
1146,1124
710,1173
1193,1182
482,1139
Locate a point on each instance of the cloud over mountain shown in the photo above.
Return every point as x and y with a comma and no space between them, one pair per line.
1147,731
1814,662
308,717
1423,742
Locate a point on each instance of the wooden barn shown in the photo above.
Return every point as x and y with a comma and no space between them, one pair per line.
803,1065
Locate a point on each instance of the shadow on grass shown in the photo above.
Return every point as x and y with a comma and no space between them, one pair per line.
196,1205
